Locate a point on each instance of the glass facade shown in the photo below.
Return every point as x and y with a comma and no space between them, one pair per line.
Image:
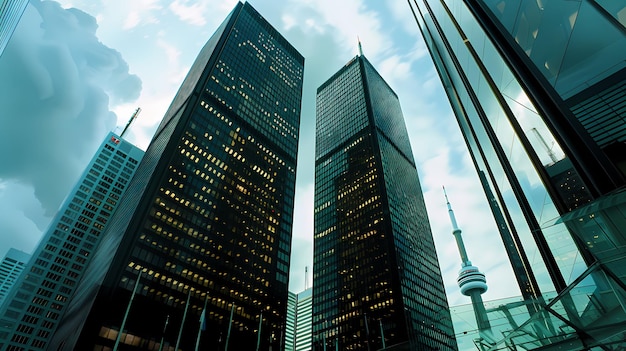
208,219
595,297
10,14
537,89
11,267
484,93
376,276
574,52
299,321
34,306
304,323
290,326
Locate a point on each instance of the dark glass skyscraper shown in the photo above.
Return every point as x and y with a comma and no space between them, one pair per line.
208,217
538,91
376,276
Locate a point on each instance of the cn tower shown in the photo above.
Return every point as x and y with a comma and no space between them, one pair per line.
471,281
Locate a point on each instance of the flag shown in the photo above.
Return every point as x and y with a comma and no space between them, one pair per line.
203,320
202,323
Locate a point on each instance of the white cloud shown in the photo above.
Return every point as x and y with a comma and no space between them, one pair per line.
396,69
288,21
172,52
132,20
192,13
59,82
21,216
347,19
140,12
401,13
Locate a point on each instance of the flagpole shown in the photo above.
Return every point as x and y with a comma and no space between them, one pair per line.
258,338
167,320
180,331
230,323
367,331
382,332
132,296
202,318
324,335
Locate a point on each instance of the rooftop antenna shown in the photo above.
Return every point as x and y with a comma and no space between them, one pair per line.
132,118
306,277
360,48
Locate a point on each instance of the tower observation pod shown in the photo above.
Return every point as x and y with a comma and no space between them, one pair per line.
471,281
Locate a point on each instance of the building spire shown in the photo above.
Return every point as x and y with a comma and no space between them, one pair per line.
456,231
360,48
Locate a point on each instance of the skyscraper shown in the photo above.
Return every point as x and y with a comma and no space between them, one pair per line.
10,14
376,276
299,331
33,308
304,320
290,325
11,267
538,91
208,217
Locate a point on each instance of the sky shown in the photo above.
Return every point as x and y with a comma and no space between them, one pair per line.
76,69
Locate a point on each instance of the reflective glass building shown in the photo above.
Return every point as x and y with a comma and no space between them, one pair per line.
11,267
377,281
538,91
207,219
290,325
299,321
33,308
10,14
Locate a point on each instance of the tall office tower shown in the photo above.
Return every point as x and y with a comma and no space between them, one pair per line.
11,267
303,335
290,325
376,276
299,321
10,14
33,308
208,217
538,91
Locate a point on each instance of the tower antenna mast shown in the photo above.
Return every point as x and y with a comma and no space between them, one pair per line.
132,118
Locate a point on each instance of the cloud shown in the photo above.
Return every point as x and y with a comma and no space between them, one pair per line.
132,20
21,217
189,13
289,21
402,14
171,51
347,20
58,83
140,12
